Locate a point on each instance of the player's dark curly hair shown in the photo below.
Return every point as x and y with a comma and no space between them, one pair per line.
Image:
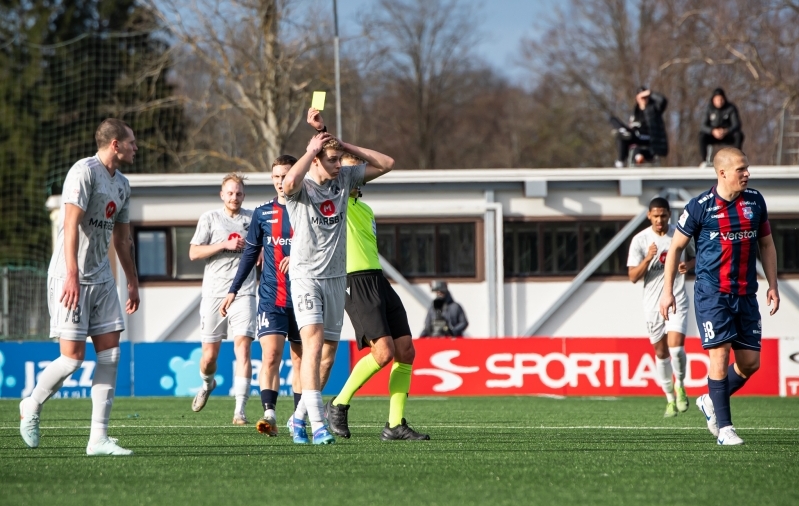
659,203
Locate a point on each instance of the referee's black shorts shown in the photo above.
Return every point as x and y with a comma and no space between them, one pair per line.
374,307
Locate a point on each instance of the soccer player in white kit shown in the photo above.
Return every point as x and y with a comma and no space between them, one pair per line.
317,190
82,293
219,239
646,260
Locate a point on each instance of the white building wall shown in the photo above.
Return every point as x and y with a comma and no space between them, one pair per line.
614,309
598,308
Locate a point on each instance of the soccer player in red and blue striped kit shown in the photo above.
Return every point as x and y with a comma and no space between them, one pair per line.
270,231
729,224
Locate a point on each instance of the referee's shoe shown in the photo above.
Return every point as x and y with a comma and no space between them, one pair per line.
402,432
337,419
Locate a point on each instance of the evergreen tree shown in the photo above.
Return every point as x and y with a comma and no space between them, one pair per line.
66,66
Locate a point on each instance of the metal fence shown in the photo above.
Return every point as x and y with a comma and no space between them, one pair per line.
23,304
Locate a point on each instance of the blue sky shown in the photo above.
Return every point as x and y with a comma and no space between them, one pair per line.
504,24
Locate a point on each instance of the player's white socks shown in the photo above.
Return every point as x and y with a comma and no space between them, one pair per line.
105,378
313,403
301,412
208,380
664,371
241,389
51,379
678,361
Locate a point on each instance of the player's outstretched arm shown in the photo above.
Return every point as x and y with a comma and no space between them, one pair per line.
123,244
292,183
73,215
377,163
768,256
678,243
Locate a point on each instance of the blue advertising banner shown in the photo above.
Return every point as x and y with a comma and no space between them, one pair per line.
173,369
22,362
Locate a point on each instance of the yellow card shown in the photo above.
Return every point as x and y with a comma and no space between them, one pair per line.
318,101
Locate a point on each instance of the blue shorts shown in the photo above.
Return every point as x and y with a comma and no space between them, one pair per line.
727,318
272,319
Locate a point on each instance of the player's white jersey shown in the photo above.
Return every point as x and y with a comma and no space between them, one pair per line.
655,272
220,269
318,215
104,200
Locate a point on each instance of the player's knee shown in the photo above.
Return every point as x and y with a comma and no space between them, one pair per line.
406,355
109,356
383,357
750,368
71,364
271,359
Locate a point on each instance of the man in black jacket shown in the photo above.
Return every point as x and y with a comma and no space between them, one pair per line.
722,125
646,130
445,318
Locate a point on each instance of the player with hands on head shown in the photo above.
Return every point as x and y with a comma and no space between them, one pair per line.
219,240
317,206
729,224
82,293
646,261
270,235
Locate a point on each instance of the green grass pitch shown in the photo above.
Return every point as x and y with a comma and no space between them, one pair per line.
495,451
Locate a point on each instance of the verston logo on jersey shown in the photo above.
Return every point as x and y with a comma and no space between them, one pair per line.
277,240
735,236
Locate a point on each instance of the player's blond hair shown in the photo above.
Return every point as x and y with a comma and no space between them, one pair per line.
351,159
234,176
333,144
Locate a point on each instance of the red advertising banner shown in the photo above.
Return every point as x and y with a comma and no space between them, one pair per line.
557,366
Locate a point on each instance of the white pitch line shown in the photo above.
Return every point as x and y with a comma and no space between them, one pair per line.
493,427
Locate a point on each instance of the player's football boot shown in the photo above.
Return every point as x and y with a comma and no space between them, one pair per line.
106,446
728,437
240,419
402,432
298,433
202,397
322,436
682,399
337,419
705,405
268,425
671,410
28,425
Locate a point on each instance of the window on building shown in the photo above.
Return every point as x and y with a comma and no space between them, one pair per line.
562,248
786,241
429,249
162,254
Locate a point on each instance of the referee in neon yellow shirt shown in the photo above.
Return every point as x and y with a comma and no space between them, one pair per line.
380,322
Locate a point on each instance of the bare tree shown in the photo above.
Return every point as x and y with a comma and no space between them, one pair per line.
422,55
242,67
753,43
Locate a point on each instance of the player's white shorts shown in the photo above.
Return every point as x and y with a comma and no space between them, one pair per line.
320,301
658,327
240,319
98,311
